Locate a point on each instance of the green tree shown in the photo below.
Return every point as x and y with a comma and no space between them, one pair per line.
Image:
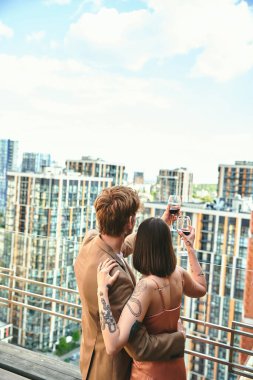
76,335
63,346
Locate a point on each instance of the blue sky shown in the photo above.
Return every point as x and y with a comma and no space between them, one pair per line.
151,84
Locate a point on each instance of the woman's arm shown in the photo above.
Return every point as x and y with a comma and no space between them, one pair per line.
194,284
116,335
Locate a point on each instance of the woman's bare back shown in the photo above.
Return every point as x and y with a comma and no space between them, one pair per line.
171,288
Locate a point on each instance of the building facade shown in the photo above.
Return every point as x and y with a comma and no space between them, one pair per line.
235,180
222,247
47,216
5,332
247,342
177,181
88,166
35,162
8,162
138,178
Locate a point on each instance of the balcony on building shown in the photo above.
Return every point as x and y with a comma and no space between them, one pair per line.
223,351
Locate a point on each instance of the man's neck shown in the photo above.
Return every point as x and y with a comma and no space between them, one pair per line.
115,242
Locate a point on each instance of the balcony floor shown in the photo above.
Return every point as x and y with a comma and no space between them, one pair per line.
6,375
17,363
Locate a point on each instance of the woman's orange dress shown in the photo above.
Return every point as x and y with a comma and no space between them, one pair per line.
174,369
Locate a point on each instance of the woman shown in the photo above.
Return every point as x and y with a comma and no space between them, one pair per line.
156,299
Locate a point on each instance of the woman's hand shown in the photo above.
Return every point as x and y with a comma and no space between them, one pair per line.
104,279
169,218
188,240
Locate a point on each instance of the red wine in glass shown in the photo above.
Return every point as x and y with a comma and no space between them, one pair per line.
175,203
183,225
174,210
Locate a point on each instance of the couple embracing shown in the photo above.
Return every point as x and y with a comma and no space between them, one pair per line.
132,330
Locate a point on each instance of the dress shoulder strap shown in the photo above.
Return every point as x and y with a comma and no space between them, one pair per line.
160,292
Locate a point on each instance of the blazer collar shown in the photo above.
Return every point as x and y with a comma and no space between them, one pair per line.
106,248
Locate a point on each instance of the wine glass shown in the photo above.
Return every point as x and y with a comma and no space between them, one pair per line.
175,203
184,225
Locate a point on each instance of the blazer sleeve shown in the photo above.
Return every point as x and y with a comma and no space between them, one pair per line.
128,245
162,347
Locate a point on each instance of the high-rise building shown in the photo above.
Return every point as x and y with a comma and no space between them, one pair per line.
98,168
47,215
177,181
5,332
35,162
8,162
138,178
236,179
221,244
247,342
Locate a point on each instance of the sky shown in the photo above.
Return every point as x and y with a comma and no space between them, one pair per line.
150,84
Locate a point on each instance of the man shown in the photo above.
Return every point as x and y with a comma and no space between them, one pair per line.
116,209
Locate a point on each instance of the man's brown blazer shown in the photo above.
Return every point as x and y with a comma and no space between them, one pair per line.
95,363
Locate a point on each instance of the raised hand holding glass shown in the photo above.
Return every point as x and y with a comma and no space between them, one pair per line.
184,225
174,202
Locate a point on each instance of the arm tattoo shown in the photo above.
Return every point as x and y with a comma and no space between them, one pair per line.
140,288
106,317
136,308
201,274
136,312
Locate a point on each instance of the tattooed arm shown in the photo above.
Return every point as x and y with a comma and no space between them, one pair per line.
116,335
194,283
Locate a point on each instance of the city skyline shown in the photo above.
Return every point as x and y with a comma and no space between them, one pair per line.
148,84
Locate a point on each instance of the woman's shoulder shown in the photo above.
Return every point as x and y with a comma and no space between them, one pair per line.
180,270
146,284
154,282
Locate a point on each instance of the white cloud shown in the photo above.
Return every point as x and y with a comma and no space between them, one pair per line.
107,28
5,31
73,110
221,30
44,99
95,5
36,36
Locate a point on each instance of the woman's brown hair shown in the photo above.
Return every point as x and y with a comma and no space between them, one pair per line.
153,252
114,206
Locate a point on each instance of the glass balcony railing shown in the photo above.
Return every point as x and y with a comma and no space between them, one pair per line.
219,339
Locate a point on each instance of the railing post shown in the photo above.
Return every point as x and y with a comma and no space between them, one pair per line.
231,351
10,295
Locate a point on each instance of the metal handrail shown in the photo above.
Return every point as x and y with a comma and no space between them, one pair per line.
45,311
45,298
220,327
22,279
238,369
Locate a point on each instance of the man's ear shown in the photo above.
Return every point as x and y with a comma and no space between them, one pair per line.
129,225
131,221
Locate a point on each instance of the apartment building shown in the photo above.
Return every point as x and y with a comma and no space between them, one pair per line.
177,181
97,167
236,180
138,178
222,248
47,215
247,342
8,162
35,162
5,332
